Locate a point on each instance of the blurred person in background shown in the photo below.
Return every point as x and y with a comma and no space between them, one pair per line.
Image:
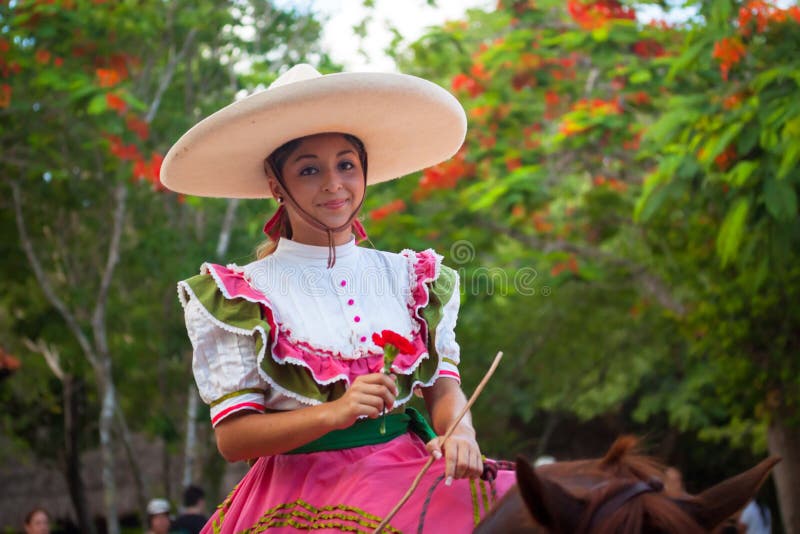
37,521
193,517
158,520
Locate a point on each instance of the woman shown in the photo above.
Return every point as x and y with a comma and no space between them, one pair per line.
37,521
289,349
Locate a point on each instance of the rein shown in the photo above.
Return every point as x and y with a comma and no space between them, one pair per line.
610,506
490,469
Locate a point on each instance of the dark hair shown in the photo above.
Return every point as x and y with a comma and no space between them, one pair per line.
33,512
273,164
192,495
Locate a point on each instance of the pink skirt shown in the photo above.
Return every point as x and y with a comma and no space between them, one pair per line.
352,490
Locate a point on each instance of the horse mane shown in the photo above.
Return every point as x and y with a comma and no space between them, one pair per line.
625,465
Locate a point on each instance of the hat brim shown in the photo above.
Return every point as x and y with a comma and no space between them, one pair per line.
406,124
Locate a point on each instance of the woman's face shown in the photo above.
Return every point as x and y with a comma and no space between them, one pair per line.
160,523
39,524
325,177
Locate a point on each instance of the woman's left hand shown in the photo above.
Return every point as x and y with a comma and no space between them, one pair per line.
461,453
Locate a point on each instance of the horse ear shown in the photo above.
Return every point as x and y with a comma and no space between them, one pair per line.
719,502
549,504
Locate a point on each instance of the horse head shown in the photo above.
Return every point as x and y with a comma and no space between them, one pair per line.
621,493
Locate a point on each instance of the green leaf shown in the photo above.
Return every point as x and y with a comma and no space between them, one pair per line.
657,188
780,199
769,76
789,160
732,230
685,60
600,34
723,141
739,175
97,105
748,139
641,76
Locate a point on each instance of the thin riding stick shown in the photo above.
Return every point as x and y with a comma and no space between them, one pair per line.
450,430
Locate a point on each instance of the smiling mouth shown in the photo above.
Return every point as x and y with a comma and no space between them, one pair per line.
334,204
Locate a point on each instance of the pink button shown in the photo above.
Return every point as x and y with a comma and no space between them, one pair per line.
363,338
350,302
343,283
356,318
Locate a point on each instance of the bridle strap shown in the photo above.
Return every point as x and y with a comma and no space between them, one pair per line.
617,501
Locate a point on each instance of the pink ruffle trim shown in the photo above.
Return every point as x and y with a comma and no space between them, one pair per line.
425,267
325,366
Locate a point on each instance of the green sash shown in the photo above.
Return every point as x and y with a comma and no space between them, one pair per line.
366,432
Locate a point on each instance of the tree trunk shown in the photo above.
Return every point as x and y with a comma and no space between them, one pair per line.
72,452
139,476
784,441
107,409
190,453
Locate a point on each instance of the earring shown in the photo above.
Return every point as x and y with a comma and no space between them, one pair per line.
279,199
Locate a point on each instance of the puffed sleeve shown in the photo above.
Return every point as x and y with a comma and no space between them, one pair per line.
441,315
225,365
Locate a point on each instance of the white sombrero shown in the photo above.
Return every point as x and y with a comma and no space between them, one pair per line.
406,124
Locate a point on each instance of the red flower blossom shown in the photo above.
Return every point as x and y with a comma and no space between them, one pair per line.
479,71
513,164
138,126
724,160
116,103
462,82
445,175
729,51
5,95
648,48
592,15
123,152
42,56
108,77
156,160
390,337
551,98
384,211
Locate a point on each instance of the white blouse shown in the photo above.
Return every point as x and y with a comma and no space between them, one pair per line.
332,312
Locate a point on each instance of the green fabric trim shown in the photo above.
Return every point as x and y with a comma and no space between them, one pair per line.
450,361
366,432
476,514
419,425
235,394
304,516
245,317
440,292
484,496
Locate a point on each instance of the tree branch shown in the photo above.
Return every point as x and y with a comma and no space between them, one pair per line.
44,281
227,226
166,78
50,355
98,316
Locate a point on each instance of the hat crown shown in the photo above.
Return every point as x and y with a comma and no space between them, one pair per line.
158,506
298,73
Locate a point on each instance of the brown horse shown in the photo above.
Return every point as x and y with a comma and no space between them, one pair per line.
621,493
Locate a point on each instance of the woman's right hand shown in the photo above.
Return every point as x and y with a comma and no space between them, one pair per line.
368,395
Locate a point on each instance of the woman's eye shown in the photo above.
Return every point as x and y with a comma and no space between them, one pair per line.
347,165
307,171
